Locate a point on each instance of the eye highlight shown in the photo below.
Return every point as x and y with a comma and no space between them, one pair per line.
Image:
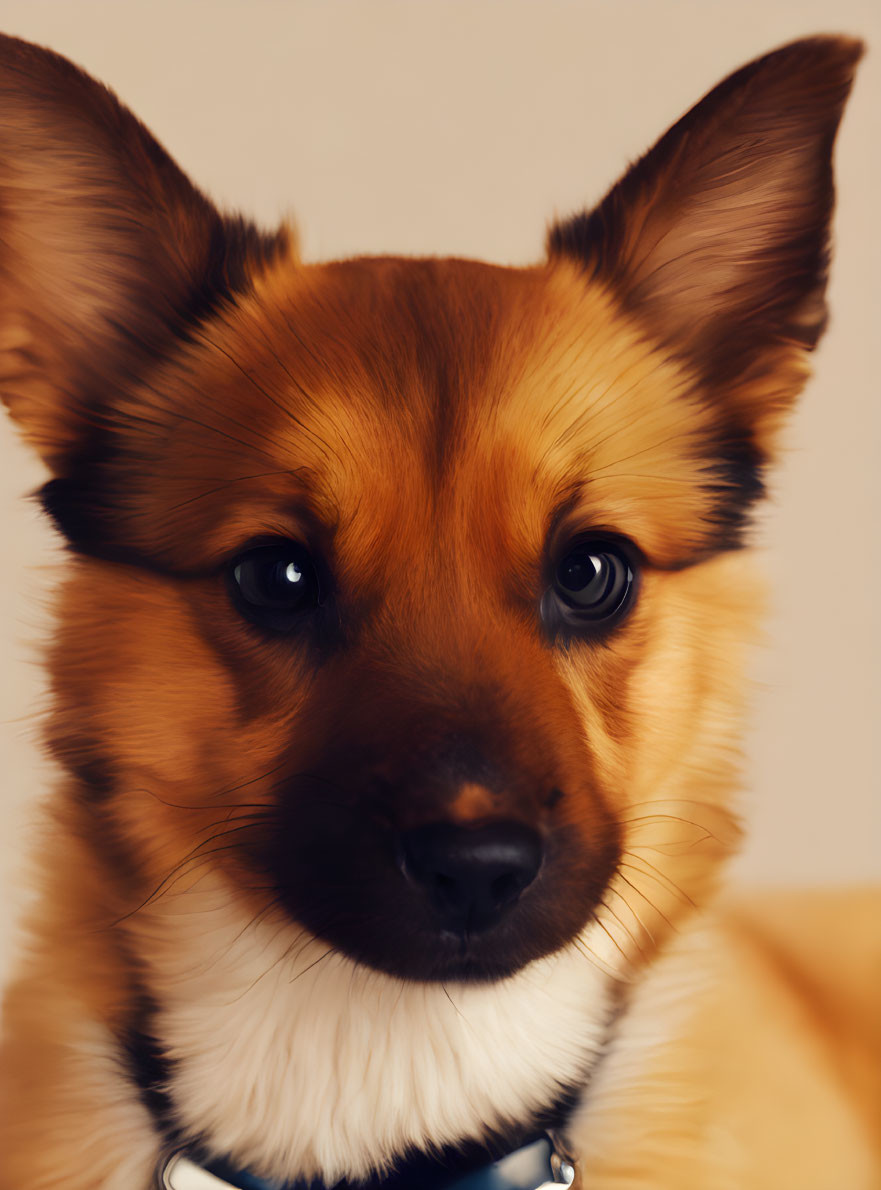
275,585
593,586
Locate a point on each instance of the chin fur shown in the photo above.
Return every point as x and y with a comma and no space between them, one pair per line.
297,1060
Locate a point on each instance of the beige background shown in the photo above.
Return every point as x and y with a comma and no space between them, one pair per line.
452,127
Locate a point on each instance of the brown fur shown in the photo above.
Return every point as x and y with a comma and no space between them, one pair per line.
436,431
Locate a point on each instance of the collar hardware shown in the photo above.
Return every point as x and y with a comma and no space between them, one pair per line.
538,1165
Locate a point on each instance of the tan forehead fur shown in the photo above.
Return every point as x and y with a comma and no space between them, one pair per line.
425,398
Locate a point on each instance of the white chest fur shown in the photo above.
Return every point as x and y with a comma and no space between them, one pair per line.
300,1061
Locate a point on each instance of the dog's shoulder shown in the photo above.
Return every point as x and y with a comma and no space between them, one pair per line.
761,1019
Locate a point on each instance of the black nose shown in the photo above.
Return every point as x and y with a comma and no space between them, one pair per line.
471,874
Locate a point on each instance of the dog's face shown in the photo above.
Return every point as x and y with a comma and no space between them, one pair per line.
406,593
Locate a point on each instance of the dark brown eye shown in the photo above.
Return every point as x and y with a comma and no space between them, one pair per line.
276,585
594,584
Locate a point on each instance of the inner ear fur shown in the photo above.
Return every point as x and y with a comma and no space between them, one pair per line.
717,239
106,250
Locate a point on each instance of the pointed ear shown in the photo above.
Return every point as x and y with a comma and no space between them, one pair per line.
107,252
718,237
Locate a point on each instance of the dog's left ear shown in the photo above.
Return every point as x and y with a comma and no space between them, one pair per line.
717,239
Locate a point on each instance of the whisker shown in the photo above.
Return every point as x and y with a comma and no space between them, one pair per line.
323,446
646,898
655,874
673,801
200,805
285,954
302,393
672,847
456,1007
666,818
179,870
594,959
228,483
611,938
605,904
223,792
331,950
645,450
631,910
204,425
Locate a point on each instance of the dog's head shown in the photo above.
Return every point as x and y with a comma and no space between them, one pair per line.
407,593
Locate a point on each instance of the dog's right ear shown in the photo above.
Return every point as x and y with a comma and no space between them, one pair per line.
107,252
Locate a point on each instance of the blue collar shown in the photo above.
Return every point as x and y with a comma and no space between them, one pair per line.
537,1165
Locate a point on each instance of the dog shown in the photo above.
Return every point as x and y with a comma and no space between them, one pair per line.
398,676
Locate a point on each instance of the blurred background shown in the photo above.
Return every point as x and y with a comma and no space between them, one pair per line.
461,127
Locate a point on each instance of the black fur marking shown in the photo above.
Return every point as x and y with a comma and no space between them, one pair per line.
75,502
735,478
83,757
93,774
115,854
148,1066
84,519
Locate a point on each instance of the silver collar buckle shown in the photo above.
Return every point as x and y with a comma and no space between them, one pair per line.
539,1165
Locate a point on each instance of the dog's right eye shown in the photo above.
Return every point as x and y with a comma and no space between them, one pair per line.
276,585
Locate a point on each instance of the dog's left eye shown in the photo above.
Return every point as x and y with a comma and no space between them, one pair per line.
276,585
594,585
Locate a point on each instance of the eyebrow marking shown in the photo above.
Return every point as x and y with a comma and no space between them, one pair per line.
237,479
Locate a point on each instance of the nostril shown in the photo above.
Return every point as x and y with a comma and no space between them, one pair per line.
506,886
471,875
